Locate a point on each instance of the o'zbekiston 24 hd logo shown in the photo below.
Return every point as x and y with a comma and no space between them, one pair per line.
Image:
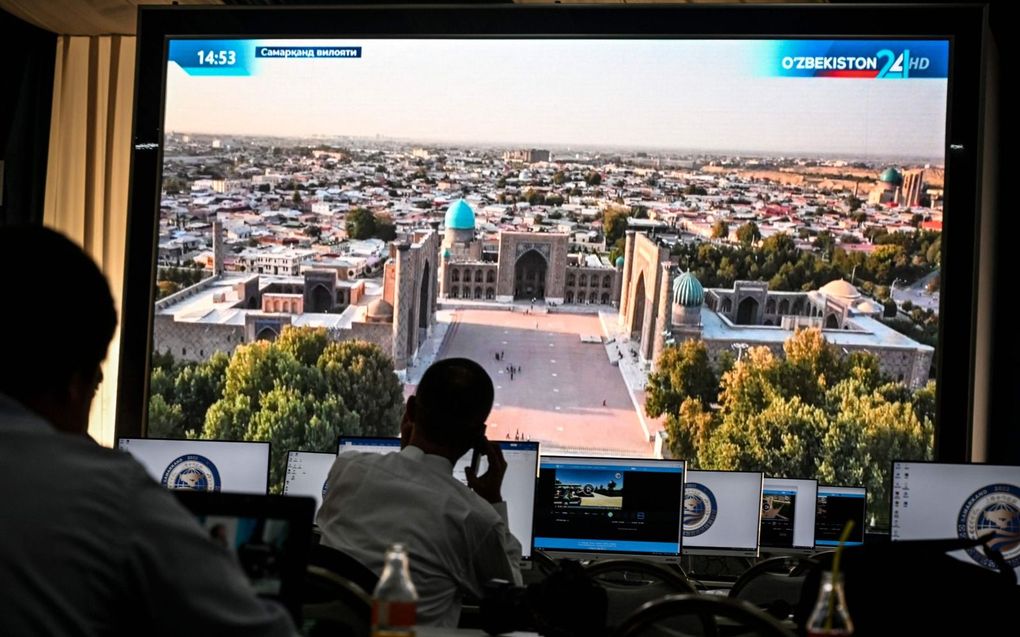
860,59
992,513
700,509
191,471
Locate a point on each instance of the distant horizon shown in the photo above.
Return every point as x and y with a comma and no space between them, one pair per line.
561,148
640,94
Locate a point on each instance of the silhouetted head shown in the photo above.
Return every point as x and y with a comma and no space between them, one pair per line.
447,413
56,323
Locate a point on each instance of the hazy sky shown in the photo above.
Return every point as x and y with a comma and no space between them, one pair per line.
671,94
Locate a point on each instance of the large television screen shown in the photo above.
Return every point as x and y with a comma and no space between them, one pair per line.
674,217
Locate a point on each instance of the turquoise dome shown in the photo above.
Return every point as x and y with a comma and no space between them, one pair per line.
619,262
460,216
687,291
891,176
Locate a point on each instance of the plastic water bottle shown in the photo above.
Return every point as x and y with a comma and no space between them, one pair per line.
395,601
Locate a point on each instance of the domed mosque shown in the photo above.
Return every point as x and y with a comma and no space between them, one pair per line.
887,188
545,264
688,297
749,314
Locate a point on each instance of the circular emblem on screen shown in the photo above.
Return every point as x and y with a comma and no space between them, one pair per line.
993,513
192,471
699,509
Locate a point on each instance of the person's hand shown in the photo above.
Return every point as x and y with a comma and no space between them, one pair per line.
488,484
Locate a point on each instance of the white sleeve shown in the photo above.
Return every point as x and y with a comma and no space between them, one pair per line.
498,555
183,583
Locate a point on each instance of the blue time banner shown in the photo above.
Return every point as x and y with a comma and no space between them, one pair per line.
238,58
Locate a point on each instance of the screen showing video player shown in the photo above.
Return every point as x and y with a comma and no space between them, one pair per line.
788,514
609,506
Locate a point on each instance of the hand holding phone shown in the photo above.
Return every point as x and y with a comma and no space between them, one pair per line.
489,484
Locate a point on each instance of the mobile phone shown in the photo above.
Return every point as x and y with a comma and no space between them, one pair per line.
479,461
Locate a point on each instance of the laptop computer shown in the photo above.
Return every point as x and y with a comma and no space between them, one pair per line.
269,534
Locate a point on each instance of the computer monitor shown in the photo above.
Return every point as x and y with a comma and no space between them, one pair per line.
602,507
369,444
788,515
203,465
306,474
518,486
933,501
835,507
722,512
518,481
270,536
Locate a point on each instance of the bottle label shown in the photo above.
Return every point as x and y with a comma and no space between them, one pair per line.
393,614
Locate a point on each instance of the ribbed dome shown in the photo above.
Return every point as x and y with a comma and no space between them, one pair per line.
619,262
840,289
460,216
687,291
891,176
379,308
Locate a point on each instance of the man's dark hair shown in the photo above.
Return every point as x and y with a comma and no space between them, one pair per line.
452,402
58,314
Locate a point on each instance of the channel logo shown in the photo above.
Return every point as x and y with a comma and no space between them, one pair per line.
921,59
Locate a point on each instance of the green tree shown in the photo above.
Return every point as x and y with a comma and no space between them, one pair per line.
593,178
689,429
362,375
360,224
385,229
614,224
720,230
292,419
783,439
301,392
165,419
682,372
748,233
196,387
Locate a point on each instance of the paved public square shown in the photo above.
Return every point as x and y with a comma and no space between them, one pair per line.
557,398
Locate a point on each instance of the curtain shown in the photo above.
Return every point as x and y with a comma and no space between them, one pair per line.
88,170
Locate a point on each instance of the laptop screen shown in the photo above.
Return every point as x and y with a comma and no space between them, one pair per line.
604,506
518,481
936,501
788,515
203,465
722,512
837,506
306,474
269,535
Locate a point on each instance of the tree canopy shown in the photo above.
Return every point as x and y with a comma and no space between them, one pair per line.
809,413
298,392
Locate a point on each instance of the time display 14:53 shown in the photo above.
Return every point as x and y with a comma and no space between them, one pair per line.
217,58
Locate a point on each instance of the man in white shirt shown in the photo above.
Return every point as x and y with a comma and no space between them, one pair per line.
89,544
457,536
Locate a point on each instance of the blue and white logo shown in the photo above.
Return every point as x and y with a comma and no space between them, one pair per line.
993,513
192,471
699,509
